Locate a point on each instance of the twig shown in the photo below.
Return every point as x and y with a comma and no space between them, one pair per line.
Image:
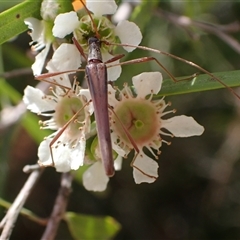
30,168
11,114
218,30
16,73
59,207
9,220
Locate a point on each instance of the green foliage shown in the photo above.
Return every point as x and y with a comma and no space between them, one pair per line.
91,227
12,20
199,83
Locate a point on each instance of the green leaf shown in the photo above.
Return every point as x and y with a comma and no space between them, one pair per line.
25,212
65,6
201,82
89,227
12,20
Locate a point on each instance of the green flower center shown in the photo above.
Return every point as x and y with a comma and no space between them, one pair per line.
138,124
66,108
87,29
140,119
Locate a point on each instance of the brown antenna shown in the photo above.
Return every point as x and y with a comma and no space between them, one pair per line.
89,13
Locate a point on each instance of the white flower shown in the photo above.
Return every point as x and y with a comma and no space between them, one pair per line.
69,115
142,118
127,32
41,32
39,43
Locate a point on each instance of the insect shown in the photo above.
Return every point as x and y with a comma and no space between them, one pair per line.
96,74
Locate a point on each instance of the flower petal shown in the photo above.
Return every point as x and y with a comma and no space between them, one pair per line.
87,94
64,24
102,7
148,167
147,83
77,155
94,178
129,33
120,151
118,163
44,153
61,156
37,67
36,26
113,73
65,58
183,126
37,101
61,159
112,101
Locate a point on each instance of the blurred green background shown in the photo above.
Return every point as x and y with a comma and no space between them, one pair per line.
197,194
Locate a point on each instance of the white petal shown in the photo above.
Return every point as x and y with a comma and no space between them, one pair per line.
129,33
102,7
147,83
64,24
44,153
37,67
94,178
36,26
118,163
77,155
36,101
66,57
112,101
115,147
61,156
123,12
183,126
87,94
61,79
148,167
113,73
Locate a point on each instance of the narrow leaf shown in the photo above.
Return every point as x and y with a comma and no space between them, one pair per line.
199,83
25,212
12,20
